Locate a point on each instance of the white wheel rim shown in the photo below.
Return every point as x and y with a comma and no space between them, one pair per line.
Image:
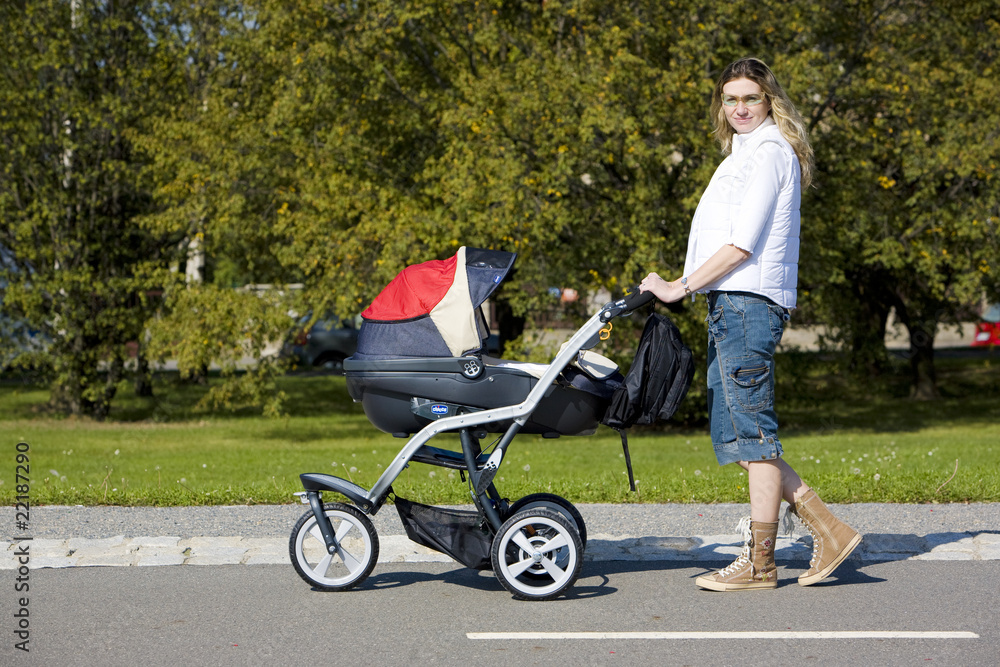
352,555
540,554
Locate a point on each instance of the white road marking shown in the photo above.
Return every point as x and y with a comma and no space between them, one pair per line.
781,634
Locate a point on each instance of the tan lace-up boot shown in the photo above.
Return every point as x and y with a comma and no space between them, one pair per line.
754,569
833,540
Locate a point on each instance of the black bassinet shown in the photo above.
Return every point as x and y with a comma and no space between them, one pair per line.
420,355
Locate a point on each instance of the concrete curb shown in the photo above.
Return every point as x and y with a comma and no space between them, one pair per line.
119,551
61,537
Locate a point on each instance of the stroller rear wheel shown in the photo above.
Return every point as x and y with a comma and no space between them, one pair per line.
537,554
355,556
553,502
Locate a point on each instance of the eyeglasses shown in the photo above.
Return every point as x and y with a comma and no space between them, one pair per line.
748,100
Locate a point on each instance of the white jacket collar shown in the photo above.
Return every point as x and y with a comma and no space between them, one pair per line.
753,138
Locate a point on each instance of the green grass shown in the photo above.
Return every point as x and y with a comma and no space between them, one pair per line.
854,444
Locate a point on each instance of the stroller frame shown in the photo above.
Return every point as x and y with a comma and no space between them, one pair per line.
536,551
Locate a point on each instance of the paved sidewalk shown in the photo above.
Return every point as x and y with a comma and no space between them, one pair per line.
144,536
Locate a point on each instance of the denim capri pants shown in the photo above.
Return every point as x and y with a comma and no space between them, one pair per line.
743,331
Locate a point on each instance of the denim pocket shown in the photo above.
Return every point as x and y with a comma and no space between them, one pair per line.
750,381
716,323
777,316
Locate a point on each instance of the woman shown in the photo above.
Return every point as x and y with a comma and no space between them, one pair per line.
743,253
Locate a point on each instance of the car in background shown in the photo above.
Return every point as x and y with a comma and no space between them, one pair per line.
20,344
324,345
988,327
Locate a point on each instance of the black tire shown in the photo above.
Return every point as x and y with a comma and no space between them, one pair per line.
330,363
355,558
552,501
537,554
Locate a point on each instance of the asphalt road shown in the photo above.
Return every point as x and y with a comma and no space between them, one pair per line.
925,580
431,613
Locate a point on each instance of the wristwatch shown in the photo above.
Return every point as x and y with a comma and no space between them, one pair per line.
684,281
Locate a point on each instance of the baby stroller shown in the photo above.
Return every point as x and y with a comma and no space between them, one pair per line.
420,372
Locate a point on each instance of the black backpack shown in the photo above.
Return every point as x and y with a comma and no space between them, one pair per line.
655,385
658,380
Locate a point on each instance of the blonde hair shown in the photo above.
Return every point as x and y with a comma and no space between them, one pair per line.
785,115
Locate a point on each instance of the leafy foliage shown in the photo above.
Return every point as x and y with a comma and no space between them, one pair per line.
329,145
83,271
906,210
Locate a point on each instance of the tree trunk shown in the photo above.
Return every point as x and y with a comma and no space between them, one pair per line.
66,392
143,377
197,377
867,341
71,379
924,378
101,408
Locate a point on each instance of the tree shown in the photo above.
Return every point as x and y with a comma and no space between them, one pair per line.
906,142
418,128
332,144
76,77
217,176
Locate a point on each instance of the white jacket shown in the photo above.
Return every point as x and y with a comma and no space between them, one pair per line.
752,202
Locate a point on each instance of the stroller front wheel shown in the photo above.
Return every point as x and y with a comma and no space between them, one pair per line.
537,554
354,557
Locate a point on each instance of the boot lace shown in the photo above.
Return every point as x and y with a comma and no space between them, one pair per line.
743,528
789,526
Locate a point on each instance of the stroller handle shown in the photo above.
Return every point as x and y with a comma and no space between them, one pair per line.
633,299
636,299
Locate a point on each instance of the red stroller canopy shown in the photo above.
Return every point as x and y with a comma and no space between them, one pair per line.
414,292
433,309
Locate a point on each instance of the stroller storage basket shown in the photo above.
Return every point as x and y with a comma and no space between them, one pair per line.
401,396
457,533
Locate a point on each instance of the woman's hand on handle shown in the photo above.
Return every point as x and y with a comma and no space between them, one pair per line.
719,265
664,290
